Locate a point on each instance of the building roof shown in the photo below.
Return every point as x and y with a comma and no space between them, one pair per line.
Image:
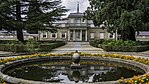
144,33
76,15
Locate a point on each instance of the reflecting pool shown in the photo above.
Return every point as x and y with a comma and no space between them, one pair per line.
60,71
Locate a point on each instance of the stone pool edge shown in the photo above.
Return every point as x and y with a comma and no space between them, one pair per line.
14,80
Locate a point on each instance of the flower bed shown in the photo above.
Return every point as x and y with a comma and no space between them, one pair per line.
143,79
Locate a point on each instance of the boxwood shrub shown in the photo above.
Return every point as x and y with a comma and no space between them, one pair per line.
96,43
30,46
9,42
125,48
49,46
120,45
13,48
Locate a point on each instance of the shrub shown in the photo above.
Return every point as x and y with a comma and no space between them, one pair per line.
106,47
45,47
29,46
13,48
9,42
125,48
49,46
96,43
20,48
32,45
121,43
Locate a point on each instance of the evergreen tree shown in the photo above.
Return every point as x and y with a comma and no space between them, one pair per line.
128,16
43,13
29,15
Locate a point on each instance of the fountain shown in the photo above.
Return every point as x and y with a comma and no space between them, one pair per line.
75,61
65,69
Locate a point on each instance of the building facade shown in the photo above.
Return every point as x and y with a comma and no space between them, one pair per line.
12,35
142,36
75,28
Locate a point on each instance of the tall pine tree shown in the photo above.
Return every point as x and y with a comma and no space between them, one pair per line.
29,15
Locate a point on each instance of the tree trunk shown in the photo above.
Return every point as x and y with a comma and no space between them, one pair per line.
132,34
128,34
123,35
20,35
20,25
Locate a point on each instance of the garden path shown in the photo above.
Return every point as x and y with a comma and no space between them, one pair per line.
85,47
79,46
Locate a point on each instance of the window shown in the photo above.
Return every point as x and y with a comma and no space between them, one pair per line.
62,25
77,20
45,34
143,37
111,35
63,35
54,35
71,20
11,36
101,35
1,36
92,35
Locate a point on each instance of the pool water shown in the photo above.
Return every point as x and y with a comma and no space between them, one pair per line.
60,71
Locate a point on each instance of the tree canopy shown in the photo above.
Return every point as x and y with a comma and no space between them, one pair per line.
128,16
30,15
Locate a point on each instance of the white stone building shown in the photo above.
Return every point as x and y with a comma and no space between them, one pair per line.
142,36
12,35
75,28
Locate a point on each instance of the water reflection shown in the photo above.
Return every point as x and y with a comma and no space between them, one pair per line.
61,72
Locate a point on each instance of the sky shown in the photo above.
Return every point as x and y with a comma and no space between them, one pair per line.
72,5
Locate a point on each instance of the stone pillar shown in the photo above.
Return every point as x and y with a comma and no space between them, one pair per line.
68,35
86,36
116,35
81,35
74,36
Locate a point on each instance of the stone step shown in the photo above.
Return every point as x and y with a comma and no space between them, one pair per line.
79,43
80,46
69,51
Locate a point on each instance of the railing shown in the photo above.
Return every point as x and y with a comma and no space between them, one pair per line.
72,25
76,25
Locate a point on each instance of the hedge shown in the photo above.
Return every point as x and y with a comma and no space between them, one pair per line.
9,42
49,46
125,48
96,42
13,48
28,48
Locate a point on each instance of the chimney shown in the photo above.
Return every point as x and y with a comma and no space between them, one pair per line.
78,7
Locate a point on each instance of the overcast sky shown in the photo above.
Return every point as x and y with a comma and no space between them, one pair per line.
72,5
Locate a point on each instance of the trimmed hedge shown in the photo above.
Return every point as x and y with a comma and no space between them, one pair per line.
48,47
120,45
125,48
13,48
9,42
95,43
30,47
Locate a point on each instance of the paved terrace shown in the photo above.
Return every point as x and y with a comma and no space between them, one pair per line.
80,46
